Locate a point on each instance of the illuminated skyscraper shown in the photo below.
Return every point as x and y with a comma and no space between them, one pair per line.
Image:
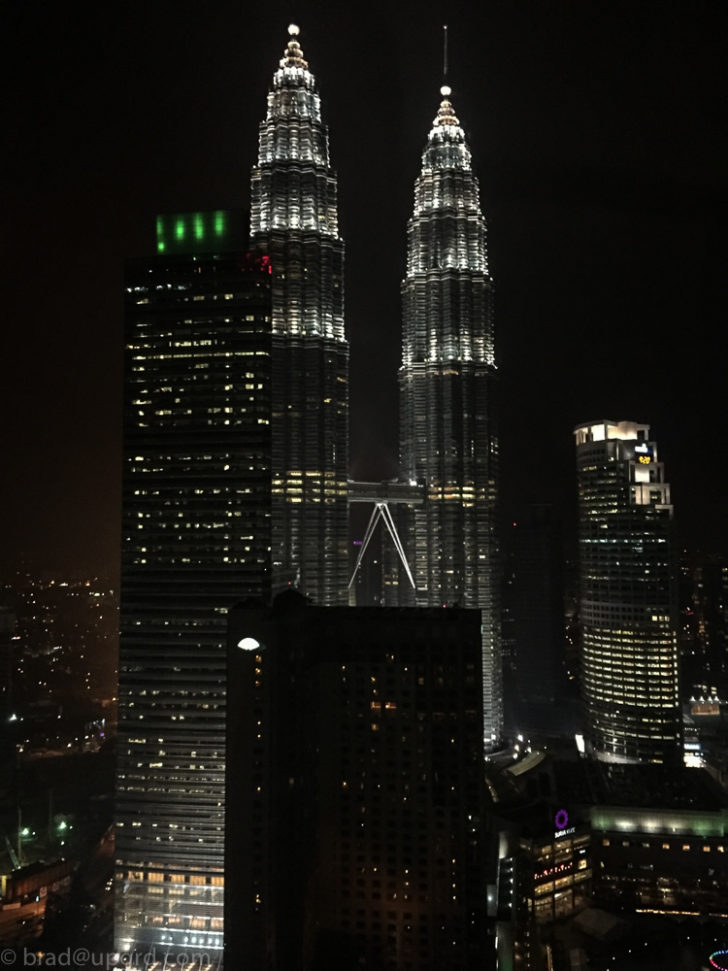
628,602
195,539
448,439
294,221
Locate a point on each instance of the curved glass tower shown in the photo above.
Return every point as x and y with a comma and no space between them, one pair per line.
448,438
628,597
294,221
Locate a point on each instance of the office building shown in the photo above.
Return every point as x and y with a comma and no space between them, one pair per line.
448,436
195,539
660,841
627,596
294,221
533,621
704,624
354,788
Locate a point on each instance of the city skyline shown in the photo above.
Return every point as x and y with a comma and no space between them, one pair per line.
599,161
605,238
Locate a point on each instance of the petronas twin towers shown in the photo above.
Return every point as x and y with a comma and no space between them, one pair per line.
286,368
448,440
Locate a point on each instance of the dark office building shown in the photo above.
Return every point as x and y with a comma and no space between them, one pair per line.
195,538
533,613
704,624
353,802
448,435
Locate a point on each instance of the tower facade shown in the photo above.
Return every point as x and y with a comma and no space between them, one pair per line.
294,222
448,437
196,515
628,599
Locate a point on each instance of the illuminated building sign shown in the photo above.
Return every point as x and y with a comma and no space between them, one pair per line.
644,453
561,822
213,231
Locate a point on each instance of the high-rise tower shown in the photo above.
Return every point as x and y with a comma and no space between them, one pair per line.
448,439
294,221
195,539
627,596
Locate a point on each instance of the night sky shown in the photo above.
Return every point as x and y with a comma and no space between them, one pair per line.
598,134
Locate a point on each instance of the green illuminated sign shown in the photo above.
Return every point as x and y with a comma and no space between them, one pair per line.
219,230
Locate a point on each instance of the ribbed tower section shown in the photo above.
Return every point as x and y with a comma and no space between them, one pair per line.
294,220
448,437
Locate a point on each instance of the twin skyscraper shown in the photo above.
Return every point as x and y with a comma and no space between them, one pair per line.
236,471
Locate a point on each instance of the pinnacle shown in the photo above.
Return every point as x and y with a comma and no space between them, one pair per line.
446,113
293,55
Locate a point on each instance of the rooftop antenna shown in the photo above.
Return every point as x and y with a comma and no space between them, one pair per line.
445,89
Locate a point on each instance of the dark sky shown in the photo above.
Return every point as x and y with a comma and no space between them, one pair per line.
598,133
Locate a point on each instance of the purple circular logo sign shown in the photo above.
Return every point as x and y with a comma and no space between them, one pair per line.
561,819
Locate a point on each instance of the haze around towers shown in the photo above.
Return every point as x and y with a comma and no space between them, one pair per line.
602,174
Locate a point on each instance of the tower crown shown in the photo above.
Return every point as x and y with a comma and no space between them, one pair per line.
293,191
293,97
447,190
446,144
293,55
445,113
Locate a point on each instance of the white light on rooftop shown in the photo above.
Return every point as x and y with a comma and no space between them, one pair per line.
249,644
293,30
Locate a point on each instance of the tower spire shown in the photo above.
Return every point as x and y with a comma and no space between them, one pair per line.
445,115
293,55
